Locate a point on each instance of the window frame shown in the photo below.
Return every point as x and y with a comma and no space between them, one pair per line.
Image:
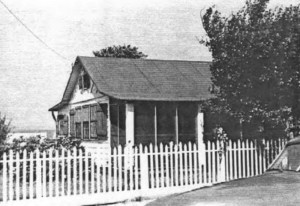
84,81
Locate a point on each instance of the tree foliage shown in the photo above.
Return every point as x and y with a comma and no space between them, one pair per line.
5,128
256,58
120,52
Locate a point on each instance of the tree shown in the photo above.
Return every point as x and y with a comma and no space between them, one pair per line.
120,52
255,67
5,128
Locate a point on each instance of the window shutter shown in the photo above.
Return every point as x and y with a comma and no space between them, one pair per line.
78,114
57,127
72,122
85,113
66,125
93,112
63,125
101,116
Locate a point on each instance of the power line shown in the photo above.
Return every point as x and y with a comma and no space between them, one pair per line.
32,33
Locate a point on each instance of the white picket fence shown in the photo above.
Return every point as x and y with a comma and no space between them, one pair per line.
80,178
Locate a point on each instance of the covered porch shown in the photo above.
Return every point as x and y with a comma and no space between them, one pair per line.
155,122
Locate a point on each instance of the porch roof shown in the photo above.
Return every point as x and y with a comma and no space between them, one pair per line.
145,79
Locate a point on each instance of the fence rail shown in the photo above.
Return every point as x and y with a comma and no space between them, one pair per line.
139,170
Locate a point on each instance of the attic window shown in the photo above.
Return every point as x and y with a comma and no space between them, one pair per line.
84,81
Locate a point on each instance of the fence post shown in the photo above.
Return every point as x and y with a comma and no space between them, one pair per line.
221,172
144,168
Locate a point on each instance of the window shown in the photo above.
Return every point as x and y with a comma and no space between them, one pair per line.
89,122
93,130
80,82
86,130
84,81
78,129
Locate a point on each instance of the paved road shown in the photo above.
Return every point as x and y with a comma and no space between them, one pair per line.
273,188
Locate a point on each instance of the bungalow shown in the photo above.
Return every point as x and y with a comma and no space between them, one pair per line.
116,101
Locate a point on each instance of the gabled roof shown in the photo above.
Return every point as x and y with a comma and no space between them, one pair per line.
144,79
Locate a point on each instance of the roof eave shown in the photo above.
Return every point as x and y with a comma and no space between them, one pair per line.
57,106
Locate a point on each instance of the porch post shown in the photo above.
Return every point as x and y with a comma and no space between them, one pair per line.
129,124
200,130
155,125
176,126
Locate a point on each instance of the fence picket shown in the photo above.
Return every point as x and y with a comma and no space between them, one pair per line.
131,167
10,175
197,170
107,176
248,159
86,178
230,162
226,161
115,168
38,175
255,157
119,170
97,164
108,186
63,172
167,165
74,171
69,173
171,170
204,173
273,147
180,152
240,158
81,172
17,176
260,159
209,161
151,165
251,158
56,173
161,165
126,164
185,154
213,149
176,159
136,175
92,175
4,193
31,172
190,173
235,153
217,161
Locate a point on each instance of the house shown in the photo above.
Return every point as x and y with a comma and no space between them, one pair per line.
116,101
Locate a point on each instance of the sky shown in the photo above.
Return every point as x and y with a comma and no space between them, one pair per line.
34,75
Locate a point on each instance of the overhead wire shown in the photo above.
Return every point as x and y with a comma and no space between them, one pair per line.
31,32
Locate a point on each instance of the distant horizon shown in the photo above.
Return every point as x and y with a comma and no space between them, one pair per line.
30,130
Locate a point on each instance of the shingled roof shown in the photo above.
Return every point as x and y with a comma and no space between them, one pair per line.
144,79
